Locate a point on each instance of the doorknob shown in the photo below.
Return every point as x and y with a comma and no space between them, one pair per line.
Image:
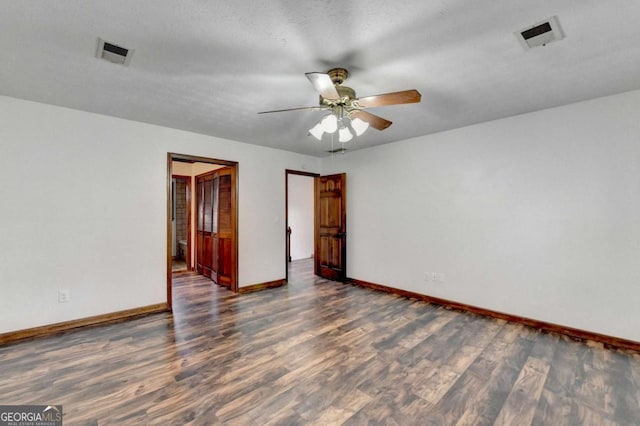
341,234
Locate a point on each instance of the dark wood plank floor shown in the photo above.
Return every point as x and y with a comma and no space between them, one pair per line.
318,352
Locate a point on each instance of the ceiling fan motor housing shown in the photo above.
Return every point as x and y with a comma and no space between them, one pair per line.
338,75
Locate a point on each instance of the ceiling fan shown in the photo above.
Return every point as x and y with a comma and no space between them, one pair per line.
347,111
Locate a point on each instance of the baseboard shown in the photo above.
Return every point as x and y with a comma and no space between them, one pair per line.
113,317
575,333
262,286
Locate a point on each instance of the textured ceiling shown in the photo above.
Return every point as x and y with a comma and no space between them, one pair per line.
210,66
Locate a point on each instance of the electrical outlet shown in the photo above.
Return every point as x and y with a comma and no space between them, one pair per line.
427,276
434,276
64,295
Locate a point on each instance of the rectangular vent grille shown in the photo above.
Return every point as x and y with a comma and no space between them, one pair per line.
116,50
113,53
541,33
536,31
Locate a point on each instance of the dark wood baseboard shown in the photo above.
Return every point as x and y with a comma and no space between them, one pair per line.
262,286
575,333
113,317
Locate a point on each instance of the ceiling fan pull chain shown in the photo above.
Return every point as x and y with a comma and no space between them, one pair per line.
332,150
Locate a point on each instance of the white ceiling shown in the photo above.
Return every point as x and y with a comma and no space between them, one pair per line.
210,66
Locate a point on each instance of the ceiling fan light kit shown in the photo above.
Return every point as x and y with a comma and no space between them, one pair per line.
329,123
346,112
344,134
359,126
317,131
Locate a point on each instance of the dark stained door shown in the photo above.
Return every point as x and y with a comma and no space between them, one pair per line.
204,255
213,244
331,226
225,226
216,225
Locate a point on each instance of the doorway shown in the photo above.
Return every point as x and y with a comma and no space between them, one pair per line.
188,167
180,226
299,218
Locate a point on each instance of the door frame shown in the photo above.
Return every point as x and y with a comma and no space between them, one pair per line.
171,157
288,172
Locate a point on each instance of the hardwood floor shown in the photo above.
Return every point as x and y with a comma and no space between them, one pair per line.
319,352
178,265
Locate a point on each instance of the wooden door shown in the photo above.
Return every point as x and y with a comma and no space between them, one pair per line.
225,226
204,254
215,185
199,192
331,226
216,225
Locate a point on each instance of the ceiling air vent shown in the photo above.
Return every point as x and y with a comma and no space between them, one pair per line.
541,33
113,53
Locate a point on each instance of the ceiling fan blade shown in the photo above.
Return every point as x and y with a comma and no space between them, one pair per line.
295,109
374,121
395,98
323,84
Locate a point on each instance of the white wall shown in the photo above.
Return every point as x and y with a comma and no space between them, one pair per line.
301,216
535,215
84,208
